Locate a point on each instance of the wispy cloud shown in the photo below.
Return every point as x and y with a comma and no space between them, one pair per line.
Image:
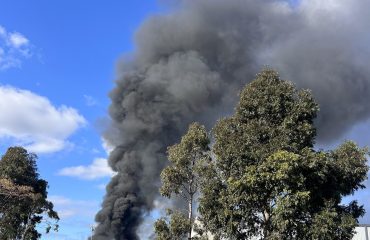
107,146
67,207
32,121
97,169
17,40
101,186
76,218
14,47
90,100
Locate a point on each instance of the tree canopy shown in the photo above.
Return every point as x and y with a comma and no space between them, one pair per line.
23,197
268,181
265,179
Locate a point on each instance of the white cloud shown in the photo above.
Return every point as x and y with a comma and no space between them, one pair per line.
66,213
90,101
101,186
14,47
32,121
59,200
68,208
76,218
107,146
97,169
17,40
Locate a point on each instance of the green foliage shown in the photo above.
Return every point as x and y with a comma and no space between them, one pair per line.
23,210
267,181
9,190
176,227
182,178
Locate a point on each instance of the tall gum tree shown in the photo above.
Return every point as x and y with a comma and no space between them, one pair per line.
267,181
181,178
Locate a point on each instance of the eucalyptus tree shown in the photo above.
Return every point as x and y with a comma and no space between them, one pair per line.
182,178
267,181
23,197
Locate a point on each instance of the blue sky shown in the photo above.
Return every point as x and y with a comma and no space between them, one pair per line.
59,60
57,65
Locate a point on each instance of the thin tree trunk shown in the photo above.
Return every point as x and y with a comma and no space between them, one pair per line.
191,194
266,226
190,215
26,228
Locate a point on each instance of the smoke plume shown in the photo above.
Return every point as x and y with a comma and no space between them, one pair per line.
190,64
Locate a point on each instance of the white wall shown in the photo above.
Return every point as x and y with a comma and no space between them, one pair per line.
362,233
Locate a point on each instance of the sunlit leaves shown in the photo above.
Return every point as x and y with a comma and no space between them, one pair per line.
23,197
267,181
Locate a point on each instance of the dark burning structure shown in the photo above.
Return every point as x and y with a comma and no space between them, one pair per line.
190,64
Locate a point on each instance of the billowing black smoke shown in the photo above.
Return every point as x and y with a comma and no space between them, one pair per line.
190,64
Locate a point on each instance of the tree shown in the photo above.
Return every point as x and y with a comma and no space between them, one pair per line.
10,192
182,178
23,196
267,181
9,189
177,227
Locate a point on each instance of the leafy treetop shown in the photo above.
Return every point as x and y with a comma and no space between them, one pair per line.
26,205
267,180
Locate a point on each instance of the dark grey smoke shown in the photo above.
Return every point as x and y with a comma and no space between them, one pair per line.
190,64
